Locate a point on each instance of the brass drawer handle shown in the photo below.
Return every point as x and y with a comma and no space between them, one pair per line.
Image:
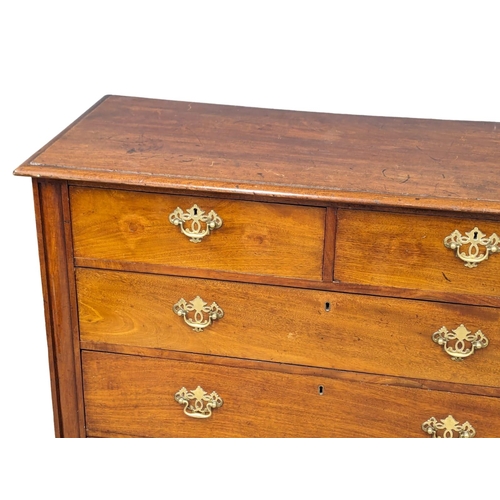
460,343
203,315
448,428
198,403
472,254
201,224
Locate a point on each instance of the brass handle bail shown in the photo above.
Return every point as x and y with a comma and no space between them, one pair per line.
460,343
203,316
448,428
194,223
471,254
198,403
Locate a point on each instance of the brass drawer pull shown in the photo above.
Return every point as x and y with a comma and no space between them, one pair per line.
472,254
197,403
460,343
448,428
195,231
203,315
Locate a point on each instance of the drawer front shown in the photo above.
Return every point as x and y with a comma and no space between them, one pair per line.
408,251
306,327
131,395
257,238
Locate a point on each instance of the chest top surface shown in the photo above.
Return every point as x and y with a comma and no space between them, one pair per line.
435,164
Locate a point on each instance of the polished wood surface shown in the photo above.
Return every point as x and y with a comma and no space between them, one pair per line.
329,247
258,238
134,395
349,376
326,284
407,251
360,333
60,313
338,158
329,266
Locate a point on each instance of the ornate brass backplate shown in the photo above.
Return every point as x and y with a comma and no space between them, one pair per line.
448,428
470,244
203,316
198,403
460,343
194,223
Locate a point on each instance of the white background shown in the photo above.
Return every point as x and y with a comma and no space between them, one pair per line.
415,59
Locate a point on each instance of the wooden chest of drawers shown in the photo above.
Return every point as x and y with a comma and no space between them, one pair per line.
218,271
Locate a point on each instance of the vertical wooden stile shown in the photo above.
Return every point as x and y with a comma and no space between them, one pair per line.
59,304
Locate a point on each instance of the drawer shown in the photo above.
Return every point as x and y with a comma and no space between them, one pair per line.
408,251
258,238
306,327
133,395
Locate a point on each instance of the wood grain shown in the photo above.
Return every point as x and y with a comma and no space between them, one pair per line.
369,378
333,286
407,251
330,268
75,333
62,133
329,249
359,333
433,164
58,281
257,238
132,395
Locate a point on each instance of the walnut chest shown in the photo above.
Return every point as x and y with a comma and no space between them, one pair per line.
220,271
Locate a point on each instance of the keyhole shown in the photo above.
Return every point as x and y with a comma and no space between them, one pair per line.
195,211
321,390
475,235
327,306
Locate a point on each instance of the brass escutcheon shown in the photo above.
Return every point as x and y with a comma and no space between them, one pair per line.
460,343
203,315
198,403
194,223
472,255
448,428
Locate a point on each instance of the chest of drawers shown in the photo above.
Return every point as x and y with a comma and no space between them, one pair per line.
219,271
